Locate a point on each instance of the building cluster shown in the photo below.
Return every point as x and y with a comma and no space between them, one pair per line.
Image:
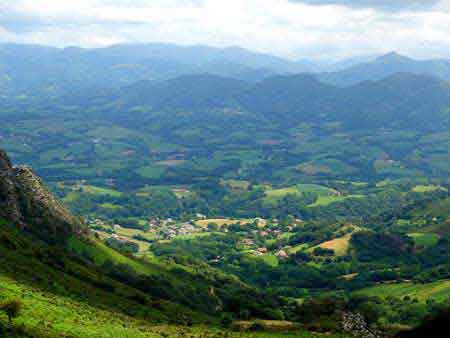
168,229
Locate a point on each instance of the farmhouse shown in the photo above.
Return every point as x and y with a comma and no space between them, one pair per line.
282,254
262,250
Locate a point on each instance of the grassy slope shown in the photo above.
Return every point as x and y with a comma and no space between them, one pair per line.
438,291
53,270
49,315
63,298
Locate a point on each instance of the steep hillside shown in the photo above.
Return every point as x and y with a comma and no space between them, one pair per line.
26,203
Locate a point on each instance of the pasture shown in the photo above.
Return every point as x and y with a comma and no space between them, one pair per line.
94,190
425,239
438,291
427,188
339,245
220,222
324,201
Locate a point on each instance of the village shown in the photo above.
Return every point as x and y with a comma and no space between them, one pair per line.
257,236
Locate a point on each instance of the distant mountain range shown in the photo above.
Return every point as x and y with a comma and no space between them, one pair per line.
385,66
400,101
34,70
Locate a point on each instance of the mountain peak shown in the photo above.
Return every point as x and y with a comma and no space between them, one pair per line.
392,57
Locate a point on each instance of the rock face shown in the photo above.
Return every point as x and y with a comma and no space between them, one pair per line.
27,204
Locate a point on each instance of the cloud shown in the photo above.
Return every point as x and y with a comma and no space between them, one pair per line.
384,5
290,28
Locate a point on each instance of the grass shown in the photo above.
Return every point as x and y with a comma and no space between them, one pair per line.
71,197
94,190
198,235
323,201
425,240
151,171
315,188
237,184
102,253
57,316
110,206
61,314
170,163
326,197
48,315
438,291
298,248
279,193
219,221
338,245
134,232
273,195
427,188
270,259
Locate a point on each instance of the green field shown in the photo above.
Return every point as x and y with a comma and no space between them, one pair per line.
273,195
110,206
323,201
427,188
438,291
94,190
270,259
151,171
425,240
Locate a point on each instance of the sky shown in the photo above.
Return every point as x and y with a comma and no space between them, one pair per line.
297,29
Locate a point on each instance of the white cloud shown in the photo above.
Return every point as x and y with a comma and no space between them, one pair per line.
283,27
385,5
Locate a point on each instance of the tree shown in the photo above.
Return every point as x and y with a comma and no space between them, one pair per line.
213,226
12,309
226,320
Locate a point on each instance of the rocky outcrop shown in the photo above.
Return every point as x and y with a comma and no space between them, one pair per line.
27,204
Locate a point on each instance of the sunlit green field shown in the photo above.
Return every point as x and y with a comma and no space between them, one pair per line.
438,291
424,240
327,200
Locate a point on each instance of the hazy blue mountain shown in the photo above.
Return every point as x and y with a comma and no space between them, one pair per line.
385,66
401,101
289,97
190,92
346,63
32,69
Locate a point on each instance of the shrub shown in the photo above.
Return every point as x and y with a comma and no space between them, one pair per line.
226,320
12,309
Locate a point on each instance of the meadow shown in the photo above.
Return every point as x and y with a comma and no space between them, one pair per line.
438,291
